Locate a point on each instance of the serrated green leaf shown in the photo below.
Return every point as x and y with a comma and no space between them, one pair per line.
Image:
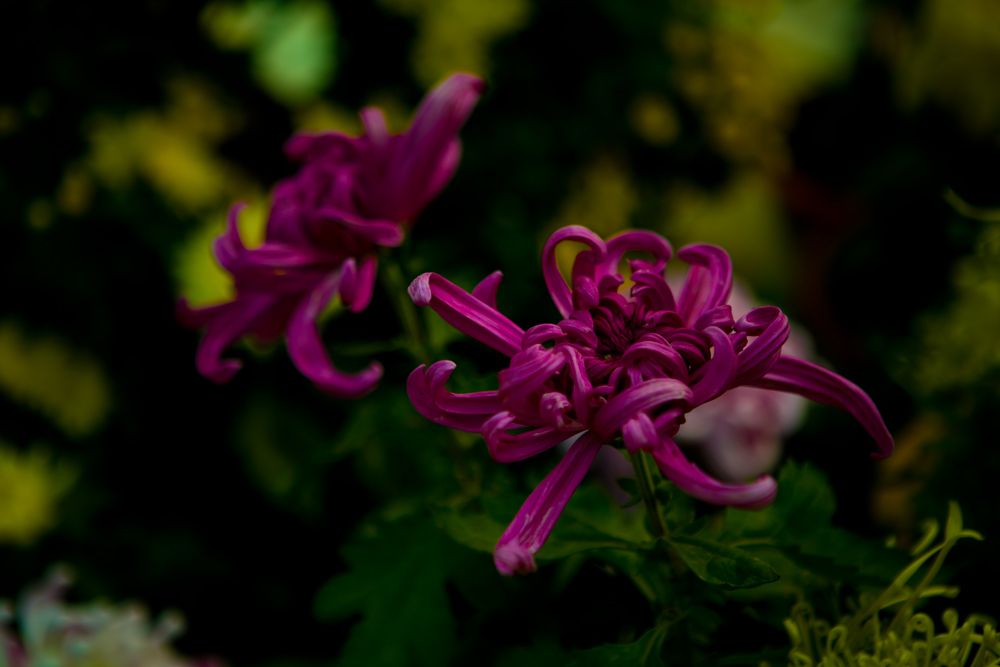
396,582
717,563
642,653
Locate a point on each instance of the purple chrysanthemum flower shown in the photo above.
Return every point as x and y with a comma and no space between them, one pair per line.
617,367
351,196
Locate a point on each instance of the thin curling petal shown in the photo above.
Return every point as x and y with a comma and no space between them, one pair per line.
650,395
771,327
380,232
515,552
796,376
690,479
356,290
232,322
509,447
639,433
310,357
552,408
562,297
468,412
467,313
719,371
486,290
636,239
652,290
428,151
228,247
709,282
528,370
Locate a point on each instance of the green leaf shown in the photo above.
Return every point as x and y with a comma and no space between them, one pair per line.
476,531
798,526
396,583
631,487
643,653
719,564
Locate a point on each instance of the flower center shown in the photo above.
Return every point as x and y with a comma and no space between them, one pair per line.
616,331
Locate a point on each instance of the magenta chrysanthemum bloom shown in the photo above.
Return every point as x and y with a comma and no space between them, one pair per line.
617,366
351,196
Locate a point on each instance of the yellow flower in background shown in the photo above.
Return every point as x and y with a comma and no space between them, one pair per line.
30,489
457,34
46,375
748,65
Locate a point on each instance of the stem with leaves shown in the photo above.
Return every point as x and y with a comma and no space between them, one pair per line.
644,478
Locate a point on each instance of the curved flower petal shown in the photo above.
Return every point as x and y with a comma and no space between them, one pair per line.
231,322
796,376
228,246
376,130
561,294
639,433
652,290
771,327
660,353
380,232
427,153
647,396
486,290
467,313
358,284
541,333
309,355
465,412
309,146
509,447
690,479
528,370
716,376
709,282
720,316
636,239
515,552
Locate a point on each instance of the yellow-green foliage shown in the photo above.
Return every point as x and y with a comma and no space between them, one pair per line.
172,149
952,56
745,217
292,45
865,639
46,375
748,64
457,34
958,346
30,488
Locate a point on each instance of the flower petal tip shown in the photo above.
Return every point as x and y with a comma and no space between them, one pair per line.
420,289
512,559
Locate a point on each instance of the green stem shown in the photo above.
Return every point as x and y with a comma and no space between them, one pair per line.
644,479
395,286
